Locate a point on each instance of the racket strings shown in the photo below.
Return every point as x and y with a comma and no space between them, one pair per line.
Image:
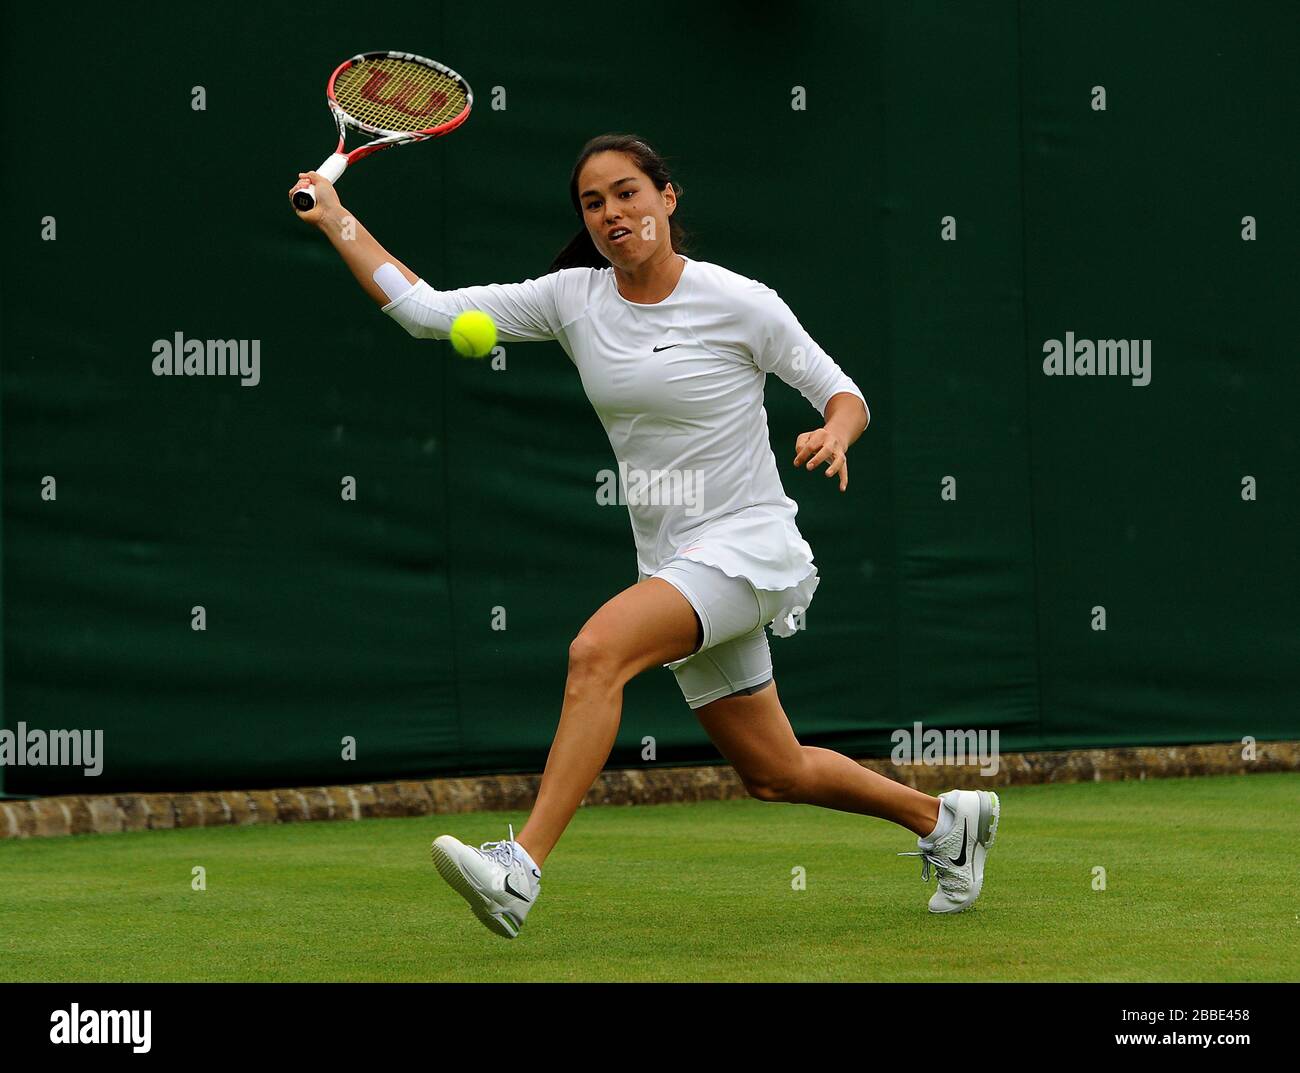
399,95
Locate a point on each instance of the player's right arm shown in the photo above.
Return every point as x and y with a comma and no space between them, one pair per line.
522,312
360,250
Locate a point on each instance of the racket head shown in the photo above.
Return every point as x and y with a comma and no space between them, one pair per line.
398,95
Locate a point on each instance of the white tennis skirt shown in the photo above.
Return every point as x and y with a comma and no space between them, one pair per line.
734,655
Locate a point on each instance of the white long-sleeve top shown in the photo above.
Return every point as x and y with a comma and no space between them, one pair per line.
678,387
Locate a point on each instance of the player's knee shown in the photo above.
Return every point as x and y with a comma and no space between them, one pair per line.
781,779
591,661
777,785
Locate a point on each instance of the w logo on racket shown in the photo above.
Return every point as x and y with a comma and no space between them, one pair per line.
402,95
398,96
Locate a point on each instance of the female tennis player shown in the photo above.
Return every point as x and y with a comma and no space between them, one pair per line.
673,354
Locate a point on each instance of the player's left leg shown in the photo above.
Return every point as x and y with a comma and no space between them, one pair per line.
754,734
751,729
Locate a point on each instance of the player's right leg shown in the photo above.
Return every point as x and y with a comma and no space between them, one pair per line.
649,624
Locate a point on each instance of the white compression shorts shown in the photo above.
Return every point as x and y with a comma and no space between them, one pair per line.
734,656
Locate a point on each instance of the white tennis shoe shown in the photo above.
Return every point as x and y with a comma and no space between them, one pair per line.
499,884
958,857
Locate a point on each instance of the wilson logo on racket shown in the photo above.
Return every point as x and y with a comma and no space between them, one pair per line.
397,97
401,100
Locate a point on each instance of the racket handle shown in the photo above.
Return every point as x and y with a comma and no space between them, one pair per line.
305,199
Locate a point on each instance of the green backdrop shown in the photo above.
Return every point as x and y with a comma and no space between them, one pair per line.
374,618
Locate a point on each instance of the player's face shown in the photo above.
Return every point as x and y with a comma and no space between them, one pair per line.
624,213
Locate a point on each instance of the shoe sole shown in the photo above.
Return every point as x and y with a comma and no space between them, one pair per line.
990,813
986,833
456,879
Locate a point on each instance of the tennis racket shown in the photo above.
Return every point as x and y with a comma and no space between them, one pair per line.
397,97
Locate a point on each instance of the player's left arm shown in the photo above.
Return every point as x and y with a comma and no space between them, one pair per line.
783,346
846,419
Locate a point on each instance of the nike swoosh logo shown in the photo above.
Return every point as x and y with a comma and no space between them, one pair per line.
668,347
524,898
965,830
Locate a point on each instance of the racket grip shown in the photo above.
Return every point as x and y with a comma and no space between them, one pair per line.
305,199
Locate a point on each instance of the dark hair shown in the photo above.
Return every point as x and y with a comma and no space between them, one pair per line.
581,252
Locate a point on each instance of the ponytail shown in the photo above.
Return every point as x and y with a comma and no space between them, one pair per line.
581,252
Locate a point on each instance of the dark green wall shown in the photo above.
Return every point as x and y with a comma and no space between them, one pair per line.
372,618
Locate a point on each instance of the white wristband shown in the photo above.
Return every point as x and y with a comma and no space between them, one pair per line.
391,281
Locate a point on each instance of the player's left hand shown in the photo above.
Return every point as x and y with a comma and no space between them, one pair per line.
811,449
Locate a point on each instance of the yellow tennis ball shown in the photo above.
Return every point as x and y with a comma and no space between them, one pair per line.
473,334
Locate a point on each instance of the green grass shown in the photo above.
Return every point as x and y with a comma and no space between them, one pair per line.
1200,878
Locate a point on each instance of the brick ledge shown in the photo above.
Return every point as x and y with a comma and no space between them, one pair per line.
107,814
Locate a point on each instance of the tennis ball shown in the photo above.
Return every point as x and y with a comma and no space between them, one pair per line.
473,334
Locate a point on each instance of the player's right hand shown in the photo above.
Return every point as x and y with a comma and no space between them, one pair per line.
327,199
